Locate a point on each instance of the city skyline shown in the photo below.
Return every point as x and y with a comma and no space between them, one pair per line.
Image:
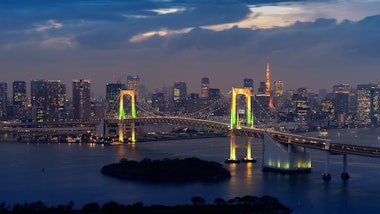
313,44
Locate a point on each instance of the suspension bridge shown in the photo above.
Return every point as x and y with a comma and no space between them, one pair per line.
283,152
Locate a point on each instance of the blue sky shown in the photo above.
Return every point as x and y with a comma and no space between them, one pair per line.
313,44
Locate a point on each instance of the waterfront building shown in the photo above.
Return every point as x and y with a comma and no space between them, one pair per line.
81,99
48,98
56,100
39,99
3,100
368,104
19,100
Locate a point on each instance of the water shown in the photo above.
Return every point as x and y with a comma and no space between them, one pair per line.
59,173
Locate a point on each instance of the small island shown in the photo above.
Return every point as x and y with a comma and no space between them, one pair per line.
167,170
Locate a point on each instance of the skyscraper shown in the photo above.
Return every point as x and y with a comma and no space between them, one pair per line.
179,95
81,99
56,100
368,103
341,104
19,100
205,87
133,83
3,100
278,99
48,99
39,99
112,96
278,88
248,83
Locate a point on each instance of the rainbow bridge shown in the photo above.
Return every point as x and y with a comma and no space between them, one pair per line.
283,152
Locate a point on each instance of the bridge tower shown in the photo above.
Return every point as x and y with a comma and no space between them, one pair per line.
122,115
235,124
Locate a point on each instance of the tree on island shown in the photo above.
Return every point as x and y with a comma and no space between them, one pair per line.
197,200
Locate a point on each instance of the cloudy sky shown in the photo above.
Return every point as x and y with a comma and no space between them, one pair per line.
310,43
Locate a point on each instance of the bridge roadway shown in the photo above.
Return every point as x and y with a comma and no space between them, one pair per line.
282,137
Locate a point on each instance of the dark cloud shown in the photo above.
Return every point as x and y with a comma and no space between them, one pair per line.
91,39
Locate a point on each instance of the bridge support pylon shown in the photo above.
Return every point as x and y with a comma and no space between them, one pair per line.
345,175
248,157
235,124
122,115
326,175
232,158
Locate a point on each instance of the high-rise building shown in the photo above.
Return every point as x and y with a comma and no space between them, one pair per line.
3,100
193,103
205,87
56,100
278,98
112,96
48,98
341,104
248,83
133,83
261,89
179,95
39,99
19,100
159,102
278,88
368,103
81,99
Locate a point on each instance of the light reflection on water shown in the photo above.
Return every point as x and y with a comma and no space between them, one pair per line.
58,173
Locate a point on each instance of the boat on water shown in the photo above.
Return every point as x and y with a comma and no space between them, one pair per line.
323,133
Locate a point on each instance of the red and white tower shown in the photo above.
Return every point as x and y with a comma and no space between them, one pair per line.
267,86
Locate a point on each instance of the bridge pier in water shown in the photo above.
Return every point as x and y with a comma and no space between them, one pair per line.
233,157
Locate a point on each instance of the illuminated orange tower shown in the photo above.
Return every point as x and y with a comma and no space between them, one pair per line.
267,86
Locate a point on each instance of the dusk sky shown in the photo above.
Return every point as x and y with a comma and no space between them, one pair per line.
311,43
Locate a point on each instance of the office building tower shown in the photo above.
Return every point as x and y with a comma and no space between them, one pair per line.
205,87
368,103
39,99
19,100
179,95
278,88
261,89
3,100
248,83
48,98
56,100
159,102
341,103
278,98
112,97
133,83
81,99
193,103
214,94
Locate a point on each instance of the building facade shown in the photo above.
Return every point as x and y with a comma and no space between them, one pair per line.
81,99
